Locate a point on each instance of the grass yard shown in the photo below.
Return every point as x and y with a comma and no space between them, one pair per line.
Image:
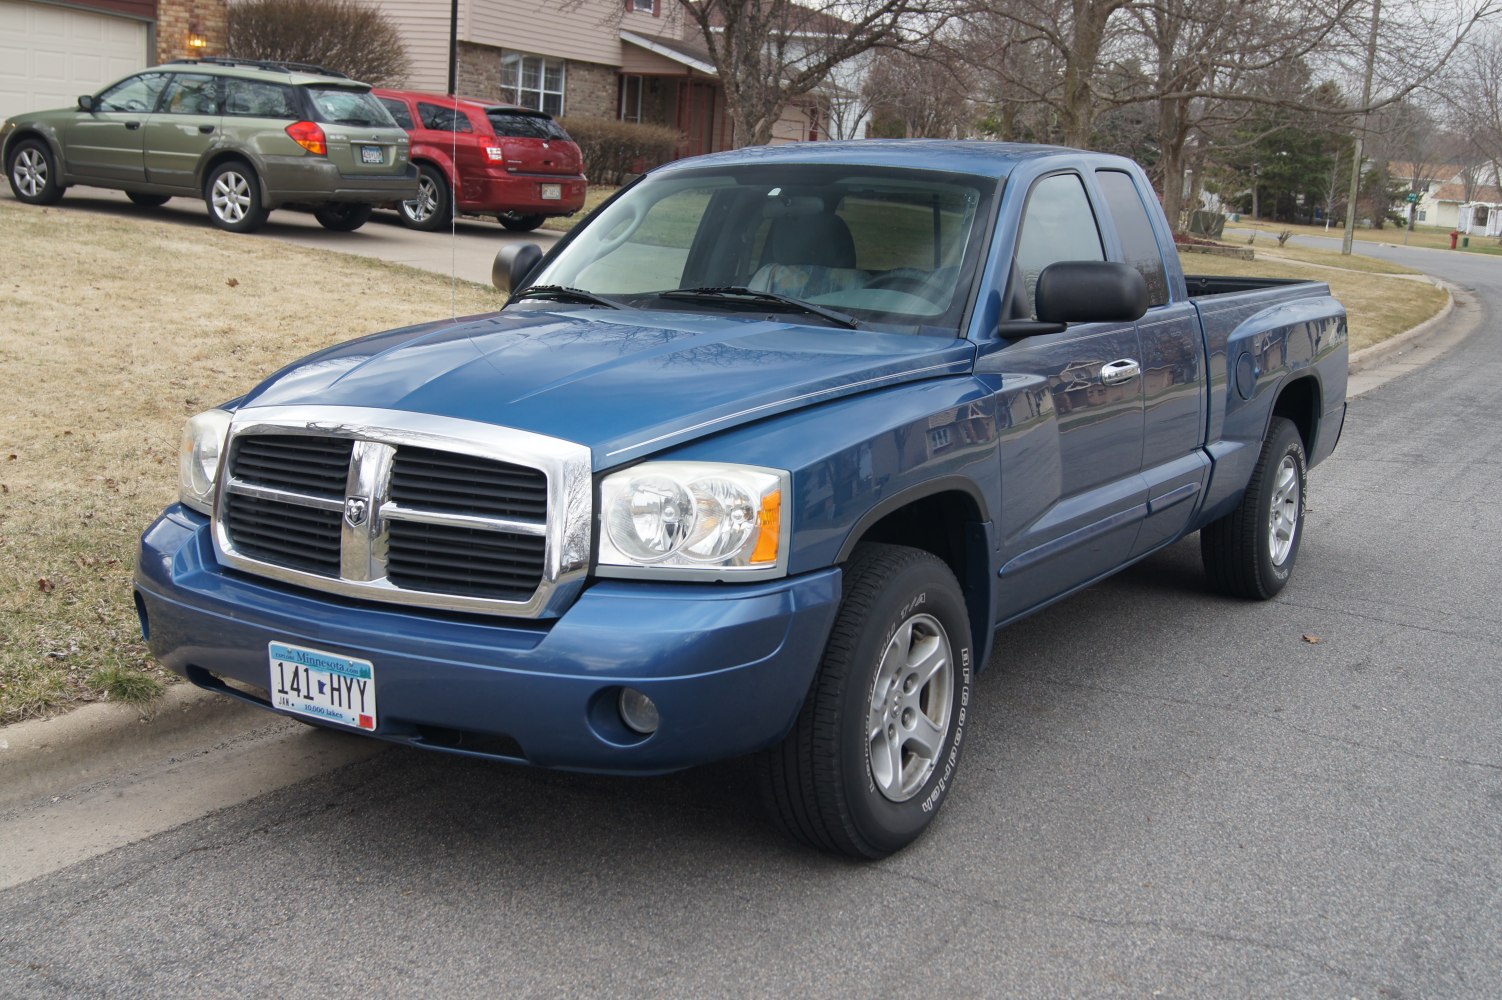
1422,236
1378,305
112,332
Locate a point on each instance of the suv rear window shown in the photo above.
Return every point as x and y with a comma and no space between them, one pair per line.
520,125
344,106
398,111
256,99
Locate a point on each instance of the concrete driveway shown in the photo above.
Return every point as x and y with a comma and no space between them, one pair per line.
467,253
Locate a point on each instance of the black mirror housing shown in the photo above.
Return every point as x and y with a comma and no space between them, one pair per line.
513,265
85,102
1090,291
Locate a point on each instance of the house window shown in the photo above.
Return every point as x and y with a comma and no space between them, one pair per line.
642,6
1423,215
533,81
631,88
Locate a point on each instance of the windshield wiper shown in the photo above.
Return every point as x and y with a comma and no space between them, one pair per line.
742,292
562,293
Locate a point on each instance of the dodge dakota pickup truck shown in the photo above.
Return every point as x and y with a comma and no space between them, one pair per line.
756,461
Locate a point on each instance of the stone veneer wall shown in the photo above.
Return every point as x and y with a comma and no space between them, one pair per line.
588,89
175,19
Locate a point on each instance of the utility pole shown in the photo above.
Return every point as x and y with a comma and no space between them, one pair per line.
1366,99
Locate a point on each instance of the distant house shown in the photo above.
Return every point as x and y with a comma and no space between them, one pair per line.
1444,203
644,62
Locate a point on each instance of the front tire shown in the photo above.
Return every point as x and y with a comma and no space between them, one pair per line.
343,217
875,747
519,223
32,173
432,209
1251,551
233,196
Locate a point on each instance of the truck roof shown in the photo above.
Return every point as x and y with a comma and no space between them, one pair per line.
987,159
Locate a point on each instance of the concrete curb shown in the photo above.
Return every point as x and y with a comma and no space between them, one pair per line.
1390,348
46,755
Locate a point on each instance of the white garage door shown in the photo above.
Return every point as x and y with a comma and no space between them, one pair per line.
49,55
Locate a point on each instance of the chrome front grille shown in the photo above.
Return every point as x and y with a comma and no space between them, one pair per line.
406,508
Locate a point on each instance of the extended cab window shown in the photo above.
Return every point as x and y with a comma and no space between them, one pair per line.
442,119
1057,224
192,94
1136,232
254,99
139,93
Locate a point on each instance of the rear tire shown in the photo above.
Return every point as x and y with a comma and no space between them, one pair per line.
148,200
518,223
343,217
32,173
875,747
1251,551
432,209
233,196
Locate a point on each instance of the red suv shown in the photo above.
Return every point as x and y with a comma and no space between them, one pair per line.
491,159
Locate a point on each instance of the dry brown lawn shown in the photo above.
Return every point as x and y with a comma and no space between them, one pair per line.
112,332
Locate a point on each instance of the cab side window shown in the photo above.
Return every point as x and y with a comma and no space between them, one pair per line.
436,116
137,94
1136,232
1057,224
192,94
398,111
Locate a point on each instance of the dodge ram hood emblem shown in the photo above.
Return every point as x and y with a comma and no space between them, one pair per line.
356,510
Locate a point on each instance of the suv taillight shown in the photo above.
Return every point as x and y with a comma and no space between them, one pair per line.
310,137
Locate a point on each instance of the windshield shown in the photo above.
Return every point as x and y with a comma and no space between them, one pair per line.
893,249
344,106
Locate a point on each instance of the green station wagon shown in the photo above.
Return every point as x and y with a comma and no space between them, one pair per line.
246,137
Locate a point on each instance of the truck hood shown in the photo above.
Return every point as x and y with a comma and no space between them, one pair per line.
623,383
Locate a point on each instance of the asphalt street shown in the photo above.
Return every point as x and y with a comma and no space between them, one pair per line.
1167,794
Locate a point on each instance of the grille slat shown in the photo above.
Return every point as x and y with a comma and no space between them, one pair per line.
427,558
296,462
448,560
465,484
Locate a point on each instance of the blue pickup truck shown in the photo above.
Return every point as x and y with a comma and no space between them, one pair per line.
756,460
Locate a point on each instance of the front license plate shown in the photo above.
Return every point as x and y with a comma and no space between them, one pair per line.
552,192
371,154
323,686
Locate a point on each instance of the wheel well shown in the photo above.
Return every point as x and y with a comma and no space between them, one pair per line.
19,137
225,157
947,524
1299,402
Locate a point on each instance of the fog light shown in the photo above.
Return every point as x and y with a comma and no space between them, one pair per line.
638,712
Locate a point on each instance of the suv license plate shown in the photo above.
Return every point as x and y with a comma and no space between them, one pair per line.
552,192
371,154
323,686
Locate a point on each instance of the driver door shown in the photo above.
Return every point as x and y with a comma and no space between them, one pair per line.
107,144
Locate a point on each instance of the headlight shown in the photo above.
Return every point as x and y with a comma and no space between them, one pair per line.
693,520
198,458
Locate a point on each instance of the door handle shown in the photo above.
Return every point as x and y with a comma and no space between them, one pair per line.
1118,372
132,125
205,129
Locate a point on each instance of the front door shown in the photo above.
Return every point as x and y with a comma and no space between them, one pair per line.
1071,403
107,143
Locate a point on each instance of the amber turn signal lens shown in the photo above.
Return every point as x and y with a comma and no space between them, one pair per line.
310,137
770,532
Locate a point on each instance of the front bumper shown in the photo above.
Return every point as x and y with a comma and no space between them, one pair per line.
728,666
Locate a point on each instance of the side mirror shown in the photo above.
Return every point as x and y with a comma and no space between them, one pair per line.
1090,291
513,265
86,102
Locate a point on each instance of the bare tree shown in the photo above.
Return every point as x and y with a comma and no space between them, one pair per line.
342,35
769,53
921,95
